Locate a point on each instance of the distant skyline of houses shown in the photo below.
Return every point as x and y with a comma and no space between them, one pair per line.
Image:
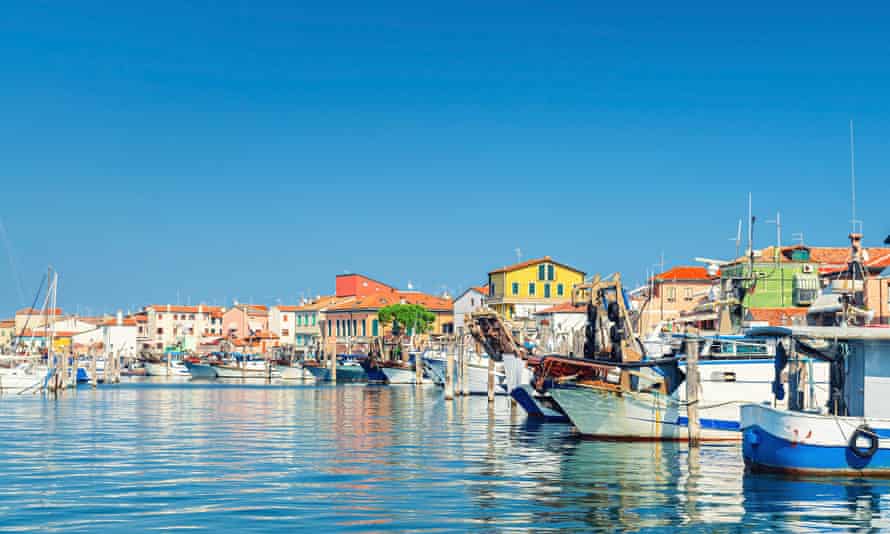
788,279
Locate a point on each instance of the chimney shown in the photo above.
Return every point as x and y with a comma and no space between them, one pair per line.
200,308
120,317
168,307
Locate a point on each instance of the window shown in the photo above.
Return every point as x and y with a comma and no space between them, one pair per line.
284,318
531,289
374,327
542,272
546,291
338,327
491,290
559,290
160,316
687,293
329,327
472,303
192,317
191,331
313,319
354,327
515,288
671,294
285,332
160,330
550,272
364,328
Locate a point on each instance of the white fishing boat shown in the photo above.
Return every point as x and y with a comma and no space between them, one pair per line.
399,373
847,435
295,373
247,369
175,368
23,377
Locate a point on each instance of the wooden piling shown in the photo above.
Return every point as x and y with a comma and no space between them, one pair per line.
334,362
490,380
692,377
418,368
94,376
449,372
464,375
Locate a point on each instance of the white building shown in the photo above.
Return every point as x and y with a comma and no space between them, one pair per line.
563,318
119,336
172,325
471,300
282,322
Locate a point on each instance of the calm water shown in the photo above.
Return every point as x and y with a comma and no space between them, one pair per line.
251,458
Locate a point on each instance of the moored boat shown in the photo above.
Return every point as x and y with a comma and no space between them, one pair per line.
848,435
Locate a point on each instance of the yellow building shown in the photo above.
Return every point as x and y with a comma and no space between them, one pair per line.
522,289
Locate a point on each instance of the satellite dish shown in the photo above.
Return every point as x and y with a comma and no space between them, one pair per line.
713,269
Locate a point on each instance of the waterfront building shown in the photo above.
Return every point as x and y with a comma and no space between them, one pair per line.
242,320
352,320
675,292
308,320
33,318
562,318
181,327
7,332
282,320
792,276
471,300
520,290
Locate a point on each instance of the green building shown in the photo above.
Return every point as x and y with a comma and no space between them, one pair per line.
779,278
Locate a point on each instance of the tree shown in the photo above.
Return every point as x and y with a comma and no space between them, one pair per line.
411,317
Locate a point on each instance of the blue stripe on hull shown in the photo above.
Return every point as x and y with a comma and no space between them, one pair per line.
764,451
716,424
534,409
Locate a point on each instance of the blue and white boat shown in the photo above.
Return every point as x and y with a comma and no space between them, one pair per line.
847,435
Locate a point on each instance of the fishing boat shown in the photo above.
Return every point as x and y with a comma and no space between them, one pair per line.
349,369
246,368
849,434
618,391
23,377
295,372
200,370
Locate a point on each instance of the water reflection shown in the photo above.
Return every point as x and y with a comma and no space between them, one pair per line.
259,458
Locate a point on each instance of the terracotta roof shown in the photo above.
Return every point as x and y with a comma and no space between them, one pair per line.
878,257
40,333
545,259
139,318
262,334
775,316
7,323
375,302
35,311
481,289
183,309
127,321
287,308
565,307
686,272
323,302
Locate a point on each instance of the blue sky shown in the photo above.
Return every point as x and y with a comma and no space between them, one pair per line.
254,150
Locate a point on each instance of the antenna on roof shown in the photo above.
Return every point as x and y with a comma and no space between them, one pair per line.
778,222
737,239
797,237
518,254
854,221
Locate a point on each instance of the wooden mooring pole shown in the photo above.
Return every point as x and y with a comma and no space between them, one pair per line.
464,372
334,362
490,380
449,372
692,348
94,376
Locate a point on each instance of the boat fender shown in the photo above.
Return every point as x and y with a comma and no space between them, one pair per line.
864,431
613,312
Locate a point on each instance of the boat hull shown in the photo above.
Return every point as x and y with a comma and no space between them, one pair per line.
635,416
538,405
399,375
227,371
806,443
201,371
345,373
295,373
